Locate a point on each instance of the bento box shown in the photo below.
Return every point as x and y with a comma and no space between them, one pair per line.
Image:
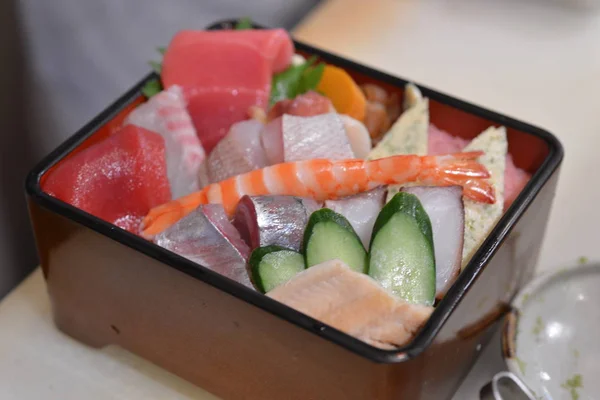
109,286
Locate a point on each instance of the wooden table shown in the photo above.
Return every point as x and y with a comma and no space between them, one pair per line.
530,60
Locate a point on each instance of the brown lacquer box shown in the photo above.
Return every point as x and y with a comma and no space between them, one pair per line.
108,286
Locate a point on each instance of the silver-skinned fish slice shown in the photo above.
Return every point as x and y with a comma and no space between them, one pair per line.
206,237
273,220
444,206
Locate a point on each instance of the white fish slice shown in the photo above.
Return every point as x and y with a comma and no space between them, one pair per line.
444,206
358,136
206,237
166,114
320,136
352,302
361,211
237,153
294,138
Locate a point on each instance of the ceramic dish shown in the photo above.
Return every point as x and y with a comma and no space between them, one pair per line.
550,337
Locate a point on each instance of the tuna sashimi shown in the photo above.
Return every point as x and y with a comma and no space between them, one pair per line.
166,114
444,206
206,237
361,210
352,302
215,110
273,220
515,179
118,180
305,105
208,66
275,45
292,138
238,152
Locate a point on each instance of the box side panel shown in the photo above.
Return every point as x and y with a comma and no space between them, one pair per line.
103,292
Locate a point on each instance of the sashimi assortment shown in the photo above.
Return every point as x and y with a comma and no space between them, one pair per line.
288,176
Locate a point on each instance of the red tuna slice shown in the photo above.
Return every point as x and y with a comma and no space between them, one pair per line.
273,220
305,105
275,45
208,64
215,110
118,180
206,237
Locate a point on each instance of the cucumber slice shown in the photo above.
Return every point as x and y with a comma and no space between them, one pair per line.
329,236
401,257
272,266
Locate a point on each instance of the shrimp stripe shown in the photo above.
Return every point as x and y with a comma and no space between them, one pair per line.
307,178
353,175
285,173
324,177
229,194
253,183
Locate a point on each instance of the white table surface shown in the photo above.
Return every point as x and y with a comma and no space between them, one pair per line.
528,59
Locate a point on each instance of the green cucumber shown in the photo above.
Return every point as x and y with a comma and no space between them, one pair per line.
401,256
272,266
329,236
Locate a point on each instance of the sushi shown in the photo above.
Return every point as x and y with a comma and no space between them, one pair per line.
292,177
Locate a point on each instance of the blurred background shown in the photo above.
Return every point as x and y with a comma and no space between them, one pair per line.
63,61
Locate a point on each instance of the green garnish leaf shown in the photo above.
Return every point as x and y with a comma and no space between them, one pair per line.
156,66
161,50
296,80
152,88
243,23
285,84
311,78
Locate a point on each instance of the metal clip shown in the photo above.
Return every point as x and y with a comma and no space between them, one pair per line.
506,386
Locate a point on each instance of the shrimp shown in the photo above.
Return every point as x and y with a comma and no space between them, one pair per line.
324,179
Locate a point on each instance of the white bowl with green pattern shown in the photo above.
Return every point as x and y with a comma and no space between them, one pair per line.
551,339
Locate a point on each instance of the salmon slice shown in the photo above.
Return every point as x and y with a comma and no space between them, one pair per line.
354,303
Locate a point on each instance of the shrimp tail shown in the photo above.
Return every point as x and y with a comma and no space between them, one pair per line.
463,169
